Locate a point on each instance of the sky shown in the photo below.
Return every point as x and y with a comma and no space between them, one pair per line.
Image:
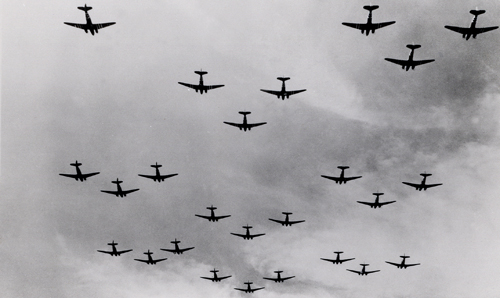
112,102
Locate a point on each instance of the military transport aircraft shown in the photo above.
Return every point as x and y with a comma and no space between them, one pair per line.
247,235
341,179
114,252
177,250
79,175
215,278
422,184
150,260
402,264
337,260
119,192
363,270
89,26
472,30
287,221
369,26
212,216
249,289
282,93
245,125
201,87
278,278
376,204
410,63
157,176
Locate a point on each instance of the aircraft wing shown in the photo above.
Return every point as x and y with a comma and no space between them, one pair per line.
295,222
412,184
103,25
203,216
169,250
167,176
255,124
356,26
209,278
129,191
351,178
81,26
420,62
185,249
366,203
256,289
195,87
395,264
219,217
289,277
144,261
288,93
147,176
256,235
381,25
89,175
278,221
123,251
358,272
70,175
158,177
345,260
460,30
368,272
332,178
485,29
328,260
409,265
106,252
239,125
271,278
243,290
213,86
386,203
159,260
113,192
273,92
432,185
397,61
239,235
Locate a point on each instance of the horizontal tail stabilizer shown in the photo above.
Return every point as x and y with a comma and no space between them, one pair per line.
425,174
477,12
201,72
85,8
370,7
342,167
245,113
283,79
413,46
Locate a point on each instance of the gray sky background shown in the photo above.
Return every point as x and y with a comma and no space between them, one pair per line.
112,102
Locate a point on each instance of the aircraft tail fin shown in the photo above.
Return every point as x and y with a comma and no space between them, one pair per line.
113,243
425,175
477,12
175,241
413,46
214,271
247,227
201,72
211,207
156,166
370,7
283,79
248,283
85,8
342,167
245,113
76,164
117,181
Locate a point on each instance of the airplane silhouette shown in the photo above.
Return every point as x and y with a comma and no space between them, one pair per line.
247,235
376,204
410,63
363,270
119,192
177,250
402,265
341,179
249,289
79,175
212,216
150,260
422,184
369,26
157,176
278,278
287,221
282,93
89,26
201,87
216,278
337,260
245,125
114,252
472,30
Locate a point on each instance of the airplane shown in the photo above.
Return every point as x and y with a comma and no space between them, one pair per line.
376,204
119,191
402,264
158,177
249,289
422,185
282,93
363,270
410,63
201,87
245,125
150,260
247,235
278,278
177,250
337,260
89,26
79,175
212,216
114,252
369,26
341,179
215,278
287,221
472,30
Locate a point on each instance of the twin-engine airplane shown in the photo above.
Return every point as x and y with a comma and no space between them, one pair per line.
410,63
402,265
119,192
114,252
249,289
337,260
245,125
177,250
157,176
215,278
78,175
363,270
287,221
377,203
369,26
201,87
247,235
472,30
283,93
278,278
341,179
150,260
212,216
422,184
89,26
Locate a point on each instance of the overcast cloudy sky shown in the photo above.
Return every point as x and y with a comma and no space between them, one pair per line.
112,102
